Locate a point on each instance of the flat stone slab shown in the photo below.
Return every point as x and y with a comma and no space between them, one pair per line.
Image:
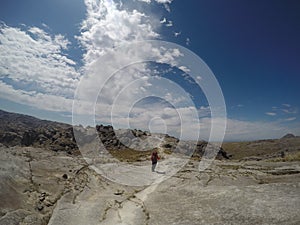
43,187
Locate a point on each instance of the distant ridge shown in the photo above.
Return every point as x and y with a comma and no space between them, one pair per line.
22,130
288,136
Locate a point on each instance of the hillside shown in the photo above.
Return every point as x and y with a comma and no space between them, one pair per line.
264,149
125,145
22,130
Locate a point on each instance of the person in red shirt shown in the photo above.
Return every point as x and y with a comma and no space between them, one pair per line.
154,159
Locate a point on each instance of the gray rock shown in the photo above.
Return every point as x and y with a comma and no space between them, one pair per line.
39,186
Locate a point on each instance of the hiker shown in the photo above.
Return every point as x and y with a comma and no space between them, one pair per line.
154,158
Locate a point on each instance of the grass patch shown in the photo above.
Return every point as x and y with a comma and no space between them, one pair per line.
130,155
168,151
230,166
261,148
287,158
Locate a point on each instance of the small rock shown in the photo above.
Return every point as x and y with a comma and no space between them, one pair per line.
48,203
65,176
40,207
119,192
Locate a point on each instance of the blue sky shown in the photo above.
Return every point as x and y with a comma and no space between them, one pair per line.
252,47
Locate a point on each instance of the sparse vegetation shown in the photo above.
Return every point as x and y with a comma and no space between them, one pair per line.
130,155
263,149
287,158
168,151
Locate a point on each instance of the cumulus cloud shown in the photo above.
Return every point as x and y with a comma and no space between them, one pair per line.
116,84
114,90
107,27
35,65
34,69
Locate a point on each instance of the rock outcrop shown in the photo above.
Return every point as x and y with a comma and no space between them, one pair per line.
22,130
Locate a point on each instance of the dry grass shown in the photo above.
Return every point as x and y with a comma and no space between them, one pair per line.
168,151
287,158
240,150
130,155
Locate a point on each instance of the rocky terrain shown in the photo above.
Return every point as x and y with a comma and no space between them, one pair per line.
22,130
44,182
285,148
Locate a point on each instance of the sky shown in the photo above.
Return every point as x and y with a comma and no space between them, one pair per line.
233,63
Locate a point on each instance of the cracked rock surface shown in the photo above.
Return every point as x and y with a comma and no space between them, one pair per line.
40,186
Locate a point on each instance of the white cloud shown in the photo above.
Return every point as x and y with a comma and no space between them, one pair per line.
33,98
147,1
107,27
289,111
284,110
204,111
199,78
271,114
45,26
256,130
164,20
170,23
291,119
181,122
176,34
120,91
164,1
188,41
34,69
184,69
158,1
